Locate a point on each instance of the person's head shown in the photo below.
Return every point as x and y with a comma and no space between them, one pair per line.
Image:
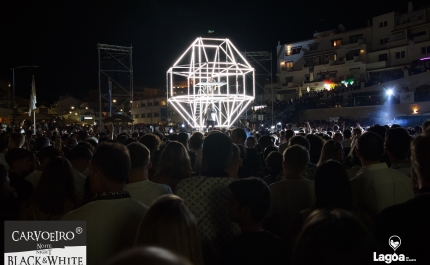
183,139
80,157
300,140
347,134
316,145
420,157
332,186
87,145
148,256
331,150
71,142
289,133
249,201
338,137
40,142
19,160
357,132
139,158
335,128
250,142
268,150
238,136
109,168
170,224
217,153
332,237
235,162
274,163
93,142
196,141
370,147
397,143
151,141
425,125
378,129
296,158
55,186
16,140
46,154
121,139
174,161
265,141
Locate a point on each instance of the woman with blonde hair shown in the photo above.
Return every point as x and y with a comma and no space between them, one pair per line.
174,165
170,225
331,150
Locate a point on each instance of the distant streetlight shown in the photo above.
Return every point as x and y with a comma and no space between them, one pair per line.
13,87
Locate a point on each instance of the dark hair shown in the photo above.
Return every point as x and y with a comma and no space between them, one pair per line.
86,145
332,186
122,138
80,152
325,233
17,138
397,142
347,133
40,142
378,129
92,142
371,146
113,161
139,155
316,145
129,141
300,140
274,164
55,186
217,152
183,139
253,193
268,150
151,141
239,133
296,156
48,153
196,140
16,154
265,141
289,133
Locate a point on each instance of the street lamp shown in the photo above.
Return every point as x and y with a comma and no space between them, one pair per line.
13,87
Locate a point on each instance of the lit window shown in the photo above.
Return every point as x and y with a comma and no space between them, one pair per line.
337,43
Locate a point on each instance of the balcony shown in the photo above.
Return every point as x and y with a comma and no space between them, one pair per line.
376,65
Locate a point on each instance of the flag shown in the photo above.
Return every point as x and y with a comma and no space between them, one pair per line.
33,101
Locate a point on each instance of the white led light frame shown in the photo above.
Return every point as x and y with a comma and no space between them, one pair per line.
218,75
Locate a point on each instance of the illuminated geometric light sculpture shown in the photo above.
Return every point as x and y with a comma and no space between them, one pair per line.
218,77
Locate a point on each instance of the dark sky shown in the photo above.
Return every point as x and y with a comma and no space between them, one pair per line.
61,36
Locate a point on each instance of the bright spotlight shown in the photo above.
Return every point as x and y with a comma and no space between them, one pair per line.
273,127
390,92
279,123
183,125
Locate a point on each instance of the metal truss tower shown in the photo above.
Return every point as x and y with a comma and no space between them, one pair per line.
115,79
261,58
219,78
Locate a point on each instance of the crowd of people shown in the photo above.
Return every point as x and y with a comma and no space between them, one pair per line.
322,195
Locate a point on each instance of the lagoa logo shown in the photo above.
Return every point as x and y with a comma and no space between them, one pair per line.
394,242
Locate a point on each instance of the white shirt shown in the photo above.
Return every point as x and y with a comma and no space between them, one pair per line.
112,225
376,187
404,168
147,191
34,178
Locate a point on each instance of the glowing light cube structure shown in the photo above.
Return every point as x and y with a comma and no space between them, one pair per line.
218,77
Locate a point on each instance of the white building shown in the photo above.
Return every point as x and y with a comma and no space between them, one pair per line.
393,41
154,111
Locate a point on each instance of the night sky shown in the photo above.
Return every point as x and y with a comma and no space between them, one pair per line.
61,36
